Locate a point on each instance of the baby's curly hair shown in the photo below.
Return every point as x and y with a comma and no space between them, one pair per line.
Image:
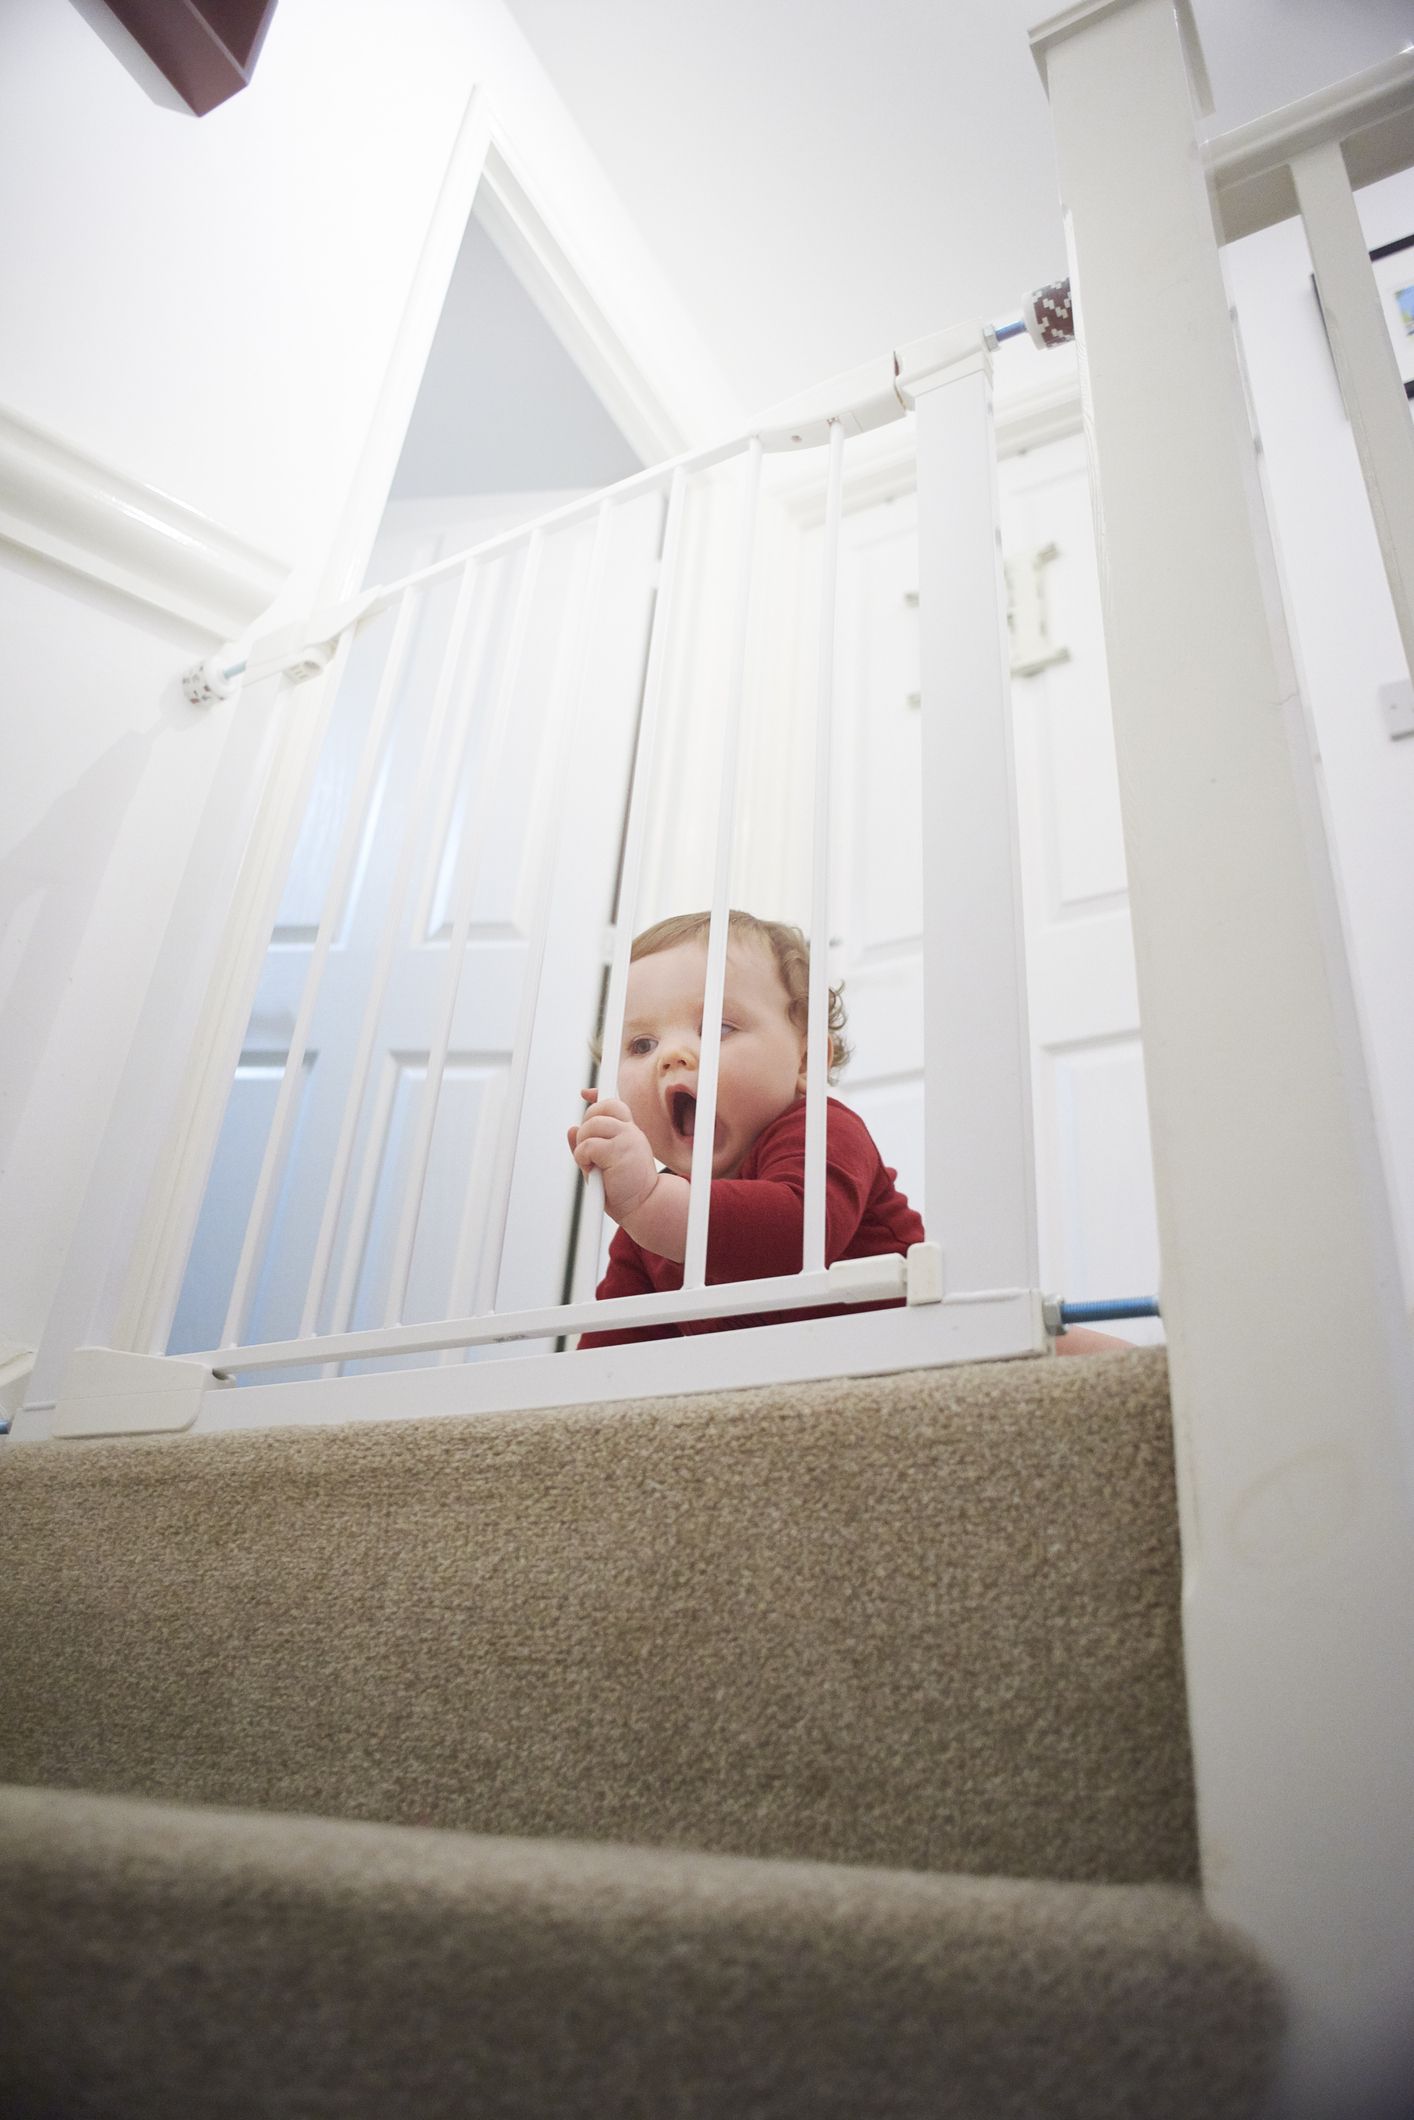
787,946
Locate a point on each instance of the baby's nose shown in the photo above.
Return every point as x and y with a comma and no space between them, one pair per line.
677,1052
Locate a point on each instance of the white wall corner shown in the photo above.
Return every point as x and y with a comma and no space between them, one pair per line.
105,1392
1049,29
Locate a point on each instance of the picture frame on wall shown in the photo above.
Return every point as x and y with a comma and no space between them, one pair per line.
1394,276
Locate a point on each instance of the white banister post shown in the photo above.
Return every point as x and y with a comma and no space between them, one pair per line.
979,1164
1290,1362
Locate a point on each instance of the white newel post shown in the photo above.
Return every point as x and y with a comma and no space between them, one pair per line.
979,1165
1289,1356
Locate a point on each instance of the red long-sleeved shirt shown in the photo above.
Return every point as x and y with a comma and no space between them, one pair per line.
755,1229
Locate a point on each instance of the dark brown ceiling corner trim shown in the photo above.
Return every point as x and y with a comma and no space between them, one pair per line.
206,48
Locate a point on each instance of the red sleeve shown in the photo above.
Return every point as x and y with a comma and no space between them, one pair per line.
758,1220
627,1276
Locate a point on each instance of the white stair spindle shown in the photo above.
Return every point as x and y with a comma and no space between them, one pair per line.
1365,364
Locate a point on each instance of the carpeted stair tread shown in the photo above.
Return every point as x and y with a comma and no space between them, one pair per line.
927,1621
169,1961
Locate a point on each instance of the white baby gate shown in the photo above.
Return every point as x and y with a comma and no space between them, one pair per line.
971,1290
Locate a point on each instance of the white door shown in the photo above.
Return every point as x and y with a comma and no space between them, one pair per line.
385,987
1098,1233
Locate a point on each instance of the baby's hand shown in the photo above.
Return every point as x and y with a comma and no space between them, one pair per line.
607,1140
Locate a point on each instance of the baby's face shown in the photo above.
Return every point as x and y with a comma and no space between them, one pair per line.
762,1066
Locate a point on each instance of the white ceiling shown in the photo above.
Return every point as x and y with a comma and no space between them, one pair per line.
822,179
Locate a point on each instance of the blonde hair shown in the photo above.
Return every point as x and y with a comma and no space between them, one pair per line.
789,950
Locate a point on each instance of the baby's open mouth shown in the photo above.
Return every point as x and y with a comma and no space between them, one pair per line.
682,1109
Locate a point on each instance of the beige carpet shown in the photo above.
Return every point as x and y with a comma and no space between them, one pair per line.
794,1754
927,1620
193,1965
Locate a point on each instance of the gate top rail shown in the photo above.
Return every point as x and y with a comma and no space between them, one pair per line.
854,402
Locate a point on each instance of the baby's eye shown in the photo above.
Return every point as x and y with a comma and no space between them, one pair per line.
639,1046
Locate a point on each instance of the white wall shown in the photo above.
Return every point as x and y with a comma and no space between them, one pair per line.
1346,641
209,305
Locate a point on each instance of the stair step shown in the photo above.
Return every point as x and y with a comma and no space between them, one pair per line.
167,1960
929,1621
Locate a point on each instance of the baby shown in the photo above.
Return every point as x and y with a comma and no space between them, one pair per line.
641,1140
758,1149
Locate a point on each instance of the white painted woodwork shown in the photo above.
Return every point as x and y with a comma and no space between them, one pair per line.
979,1168
61,502
512,207
1289,1353
1365,363
1369,114
1346,637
